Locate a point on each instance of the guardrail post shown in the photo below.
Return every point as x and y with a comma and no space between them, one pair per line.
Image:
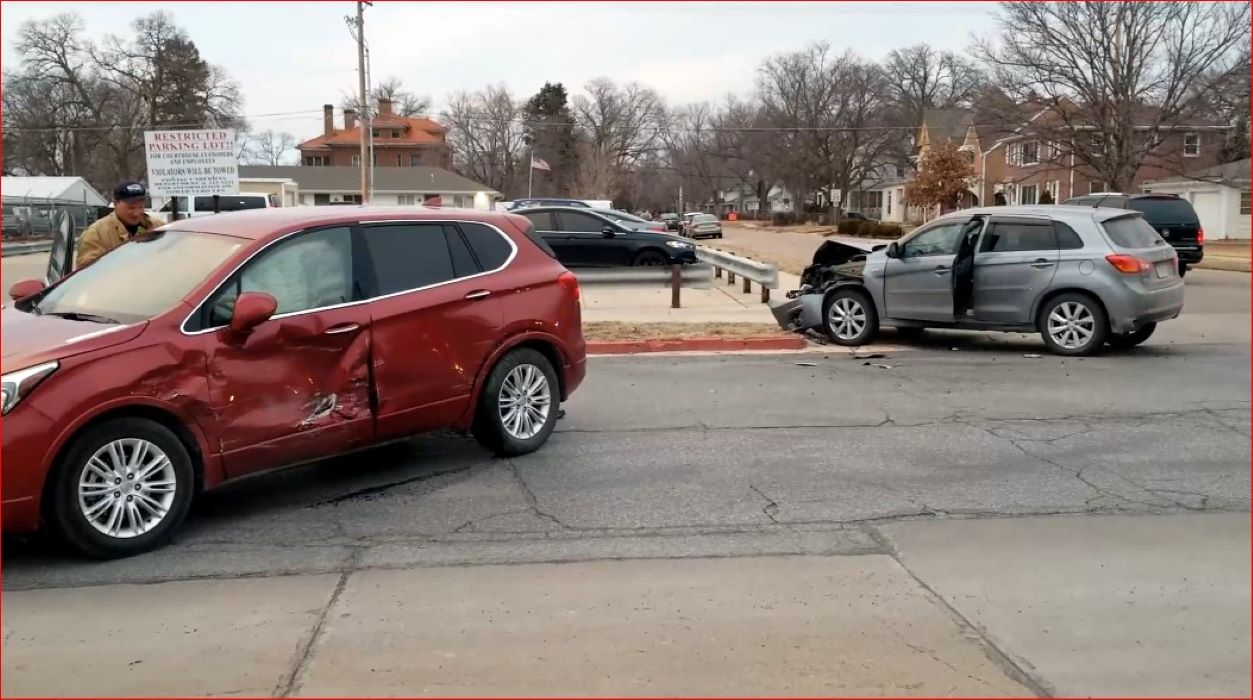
765,294
748,286
676,283
730,277
718,272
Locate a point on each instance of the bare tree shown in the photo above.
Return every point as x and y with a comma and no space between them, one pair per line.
1113,79
485,133
622,123
691,139
404,102
269,147
921,78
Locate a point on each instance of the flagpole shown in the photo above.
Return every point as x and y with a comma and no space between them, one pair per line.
530,173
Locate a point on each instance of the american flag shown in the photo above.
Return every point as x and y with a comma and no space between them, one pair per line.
538,164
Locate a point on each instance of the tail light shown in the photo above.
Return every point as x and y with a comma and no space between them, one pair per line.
1200,235
657,228
570,283
1128,264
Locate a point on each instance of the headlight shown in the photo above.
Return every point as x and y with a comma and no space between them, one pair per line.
679,244
14,386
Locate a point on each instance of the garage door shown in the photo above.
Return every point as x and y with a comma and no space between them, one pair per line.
1208,205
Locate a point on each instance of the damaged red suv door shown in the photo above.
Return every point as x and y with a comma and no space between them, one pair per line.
297,387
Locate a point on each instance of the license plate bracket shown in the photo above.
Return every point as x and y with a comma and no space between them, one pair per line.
1163,269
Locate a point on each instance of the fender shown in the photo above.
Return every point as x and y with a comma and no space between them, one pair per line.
509,343
211,461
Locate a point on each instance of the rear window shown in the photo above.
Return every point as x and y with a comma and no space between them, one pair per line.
1132,232
1170,210
1067,239
539,242
706,218
489,247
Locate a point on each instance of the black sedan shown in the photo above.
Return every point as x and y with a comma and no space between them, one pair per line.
585,238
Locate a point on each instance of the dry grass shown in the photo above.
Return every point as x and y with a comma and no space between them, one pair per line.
616,330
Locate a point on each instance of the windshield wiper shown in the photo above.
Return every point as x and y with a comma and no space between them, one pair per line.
76,316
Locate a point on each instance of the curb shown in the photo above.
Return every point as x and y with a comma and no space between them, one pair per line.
633,347
1226,264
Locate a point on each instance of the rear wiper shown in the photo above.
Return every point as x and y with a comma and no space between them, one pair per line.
76,316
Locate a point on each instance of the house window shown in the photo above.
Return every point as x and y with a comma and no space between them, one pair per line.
1055,190
415,161
395,134
1027,194
1191,145
1244,203
374,133
407,199
1031,153
317,160
356,161
887,205
1095,186
1096,144
398,160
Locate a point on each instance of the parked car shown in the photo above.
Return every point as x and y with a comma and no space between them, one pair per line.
1170,215
532,202
705,226
1080,277
671,221
857,216
269,338
584,238
685,226
192,207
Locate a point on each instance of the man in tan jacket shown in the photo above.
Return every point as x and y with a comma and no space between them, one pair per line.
127,221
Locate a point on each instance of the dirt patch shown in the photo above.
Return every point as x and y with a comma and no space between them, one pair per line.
616,330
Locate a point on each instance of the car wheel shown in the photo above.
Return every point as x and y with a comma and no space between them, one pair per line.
849,318
651,258
1123,341
123,488
1073,324
519,406
1183,269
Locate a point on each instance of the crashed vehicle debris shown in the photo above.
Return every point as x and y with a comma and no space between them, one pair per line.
1081,277
223,346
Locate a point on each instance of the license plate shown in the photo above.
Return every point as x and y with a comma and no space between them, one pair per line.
1164,269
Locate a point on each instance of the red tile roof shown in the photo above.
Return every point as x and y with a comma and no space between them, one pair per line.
417,131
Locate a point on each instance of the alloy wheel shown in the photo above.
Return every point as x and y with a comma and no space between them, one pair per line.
1071,325
525,401
127,488
848,318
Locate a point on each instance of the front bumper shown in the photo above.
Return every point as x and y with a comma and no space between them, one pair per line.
682,257
799,314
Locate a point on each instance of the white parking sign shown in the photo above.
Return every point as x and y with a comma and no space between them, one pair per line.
192,162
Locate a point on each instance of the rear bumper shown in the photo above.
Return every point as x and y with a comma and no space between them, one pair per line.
1190,254
1132,307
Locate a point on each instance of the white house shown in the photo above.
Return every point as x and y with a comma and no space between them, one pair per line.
328,185
1220,196
18,190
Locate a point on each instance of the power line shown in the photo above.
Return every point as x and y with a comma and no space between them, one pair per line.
133,127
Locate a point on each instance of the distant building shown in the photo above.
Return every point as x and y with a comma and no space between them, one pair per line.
50,190
338,185
398,142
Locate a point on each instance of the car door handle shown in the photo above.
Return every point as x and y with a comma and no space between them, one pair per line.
340,330
480,294
1041,263
942,270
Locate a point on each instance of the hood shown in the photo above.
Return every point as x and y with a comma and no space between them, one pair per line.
837,250
30,340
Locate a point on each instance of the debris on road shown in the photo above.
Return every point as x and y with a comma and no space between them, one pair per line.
1033,356
806,364
875,364
868,355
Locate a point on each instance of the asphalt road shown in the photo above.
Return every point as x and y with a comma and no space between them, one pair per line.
730,455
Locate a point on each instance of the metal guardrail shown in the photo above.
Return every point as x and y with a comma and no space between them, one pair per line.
766,275
7,249
676,277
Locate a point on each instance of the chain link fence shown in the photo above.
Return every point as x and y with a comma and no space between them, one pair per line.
32,219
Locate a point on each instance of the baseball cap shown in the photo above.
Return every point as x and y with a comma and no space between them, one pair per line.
129,190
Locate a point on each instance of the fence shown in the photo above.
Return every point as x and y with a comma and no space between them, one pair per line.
28,218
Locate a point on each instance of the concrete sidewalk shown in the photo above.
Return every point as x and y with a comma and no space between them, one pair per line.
1116,605
722,303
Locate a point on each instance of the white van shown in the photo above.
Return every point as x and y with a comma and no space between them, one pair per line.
191,207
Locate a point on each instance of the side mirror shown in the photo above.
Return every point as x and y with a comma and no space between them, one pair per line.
251,310
609,232
894,250
26,288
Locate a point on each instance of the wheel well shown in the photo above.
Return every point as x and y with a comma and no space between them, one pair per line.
156,415
646,251
1044,302
551,352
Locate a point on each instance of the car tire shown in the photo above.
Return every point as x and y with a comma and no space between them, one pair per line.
651,258
151,505
1183,270
1065,319
1123,341
510,432
849,317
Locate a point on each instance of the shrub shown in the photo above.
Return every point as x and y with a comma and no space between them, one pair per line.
888,231
866,229
1046,197
783,218
848,227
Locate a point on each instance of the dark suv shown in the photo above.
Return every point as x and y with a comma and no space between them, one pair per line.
586,238
1171,216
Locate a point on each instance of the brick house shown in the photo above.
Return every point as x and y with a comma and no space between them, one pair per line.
399,142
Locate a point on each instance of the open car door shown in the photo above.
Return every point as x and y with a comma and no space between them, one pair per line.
64,238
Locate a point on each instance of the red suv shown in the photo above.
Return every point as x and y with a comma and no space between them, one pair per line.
222,346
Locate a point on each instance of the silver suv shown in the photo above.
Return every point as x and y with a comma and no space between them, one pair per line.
1081,277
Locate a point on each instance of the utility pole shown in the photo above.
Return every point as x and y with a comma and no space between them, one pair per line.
358,25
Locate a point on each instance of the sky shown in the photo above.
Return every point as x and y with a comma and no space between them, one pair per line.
290,58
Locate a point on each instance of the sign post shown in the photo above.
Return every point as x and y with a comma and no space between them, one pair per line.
191,163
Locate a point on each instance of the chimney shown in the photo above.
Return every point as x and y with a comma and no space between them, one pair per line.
350,118
385,107
328,119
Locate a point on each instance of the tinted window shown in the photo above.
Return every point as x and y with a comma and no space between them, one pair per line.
1132,232
307,271
489,247
541,220
539,241
1113,202
1067,239
463,262
1003,237
941,240
408,256
578,222
230,203
1165,210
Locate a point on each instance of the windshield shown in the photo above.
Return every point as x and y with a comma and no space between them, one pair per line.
140,279
705,218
